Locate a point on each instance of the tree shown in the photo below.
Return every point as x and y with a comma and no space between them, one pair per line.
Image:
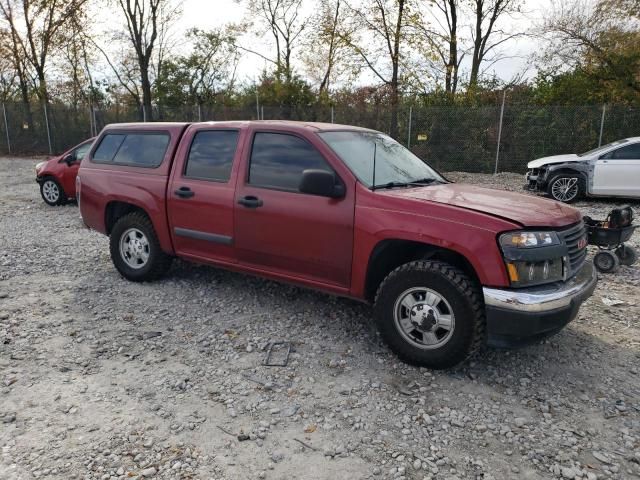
35,27
487,36
327,54
283,20
202,75
442,38
600,41
382,24
147,21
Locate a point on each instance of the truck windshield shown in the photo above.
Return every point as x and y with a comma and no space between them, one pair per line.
395,165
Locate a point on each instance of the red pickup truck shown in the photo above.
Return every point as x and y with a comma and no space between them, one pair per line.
346,210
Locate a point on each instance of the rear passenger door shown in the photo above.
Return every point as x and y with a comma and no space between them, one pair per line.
200,196
286,232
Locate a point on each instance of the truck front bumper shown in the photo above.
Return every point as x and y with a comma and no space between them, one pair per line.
522,316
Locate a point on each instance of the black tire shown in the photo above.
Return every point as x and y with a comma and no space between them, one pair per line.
606,261
574,194
461,295
52,192
627,255
157,262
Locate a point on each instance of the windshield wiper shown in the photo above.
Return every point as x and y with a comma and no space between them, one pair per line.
424,181
421,182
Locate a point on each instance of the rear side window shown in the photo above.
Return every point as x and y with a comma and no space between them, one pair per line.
278,160
132,149
211,155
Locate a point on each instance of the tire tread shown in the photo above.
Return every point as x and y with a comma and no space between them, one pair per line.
464,285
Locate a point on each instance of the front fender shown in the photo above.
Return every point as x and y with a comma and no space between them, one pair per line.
469,234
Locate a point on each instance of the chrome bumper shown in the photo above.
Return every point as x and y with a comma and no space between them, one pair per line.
546,297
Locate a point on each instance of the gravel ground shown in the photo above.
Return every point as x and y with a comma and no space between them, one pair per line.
105,379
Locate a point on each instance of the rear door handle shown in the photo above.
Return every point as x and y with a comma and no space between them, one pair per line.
250,202
184,192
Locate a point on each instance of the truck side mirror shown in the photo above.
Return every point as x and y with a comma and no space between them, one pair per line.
68,159
322,183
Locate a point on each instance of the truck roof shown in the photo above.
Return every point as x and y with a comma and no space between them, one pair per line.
287,124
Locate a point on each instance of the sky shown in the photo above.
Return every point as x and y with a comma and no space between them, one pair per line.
207,14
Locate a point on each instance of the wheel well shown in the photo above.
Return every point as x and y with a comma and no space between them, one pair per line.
390,254
117,210
565,171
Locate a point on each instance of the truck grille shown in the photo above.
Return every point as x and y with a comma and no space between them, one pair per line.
571,237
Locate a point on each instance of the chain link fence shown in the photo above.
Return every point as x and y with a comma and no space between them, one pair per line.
483,139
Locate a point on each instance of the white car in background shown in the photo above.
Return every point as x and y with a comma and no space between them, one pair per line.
612,170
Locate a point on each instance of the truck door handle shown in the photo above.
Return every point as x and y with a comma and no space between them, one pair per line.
184,192
250,202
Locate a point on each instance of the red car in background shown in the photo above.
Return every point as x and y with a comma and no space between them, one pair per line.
57,176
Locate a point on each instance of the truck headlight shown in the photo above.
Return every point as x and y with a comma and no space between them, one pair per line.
533,258
39,167
526,239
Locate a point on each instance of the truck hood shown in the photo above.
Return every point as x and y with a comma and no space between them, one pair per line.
570,157
527,210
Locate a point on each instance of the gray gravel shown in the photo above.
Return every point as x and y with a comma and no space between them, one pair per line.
105,379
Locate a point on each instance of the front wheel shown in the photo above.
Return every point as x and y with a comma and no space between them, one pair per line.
135,249
566,188
430,314
52,192
606,261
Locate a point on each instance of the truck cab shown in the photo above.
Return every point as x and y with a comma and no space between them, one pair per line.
347,211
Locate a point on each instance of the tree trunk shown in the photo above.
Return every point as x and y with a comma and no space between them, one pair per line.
451,79
146,93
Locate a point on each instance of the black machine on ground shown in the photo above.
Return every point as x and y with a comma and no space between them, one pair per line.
609,236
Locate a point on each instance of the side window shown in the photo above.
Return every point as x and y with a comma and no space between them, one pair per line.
278,160
80,152
211,155
630,152
133,149
108,148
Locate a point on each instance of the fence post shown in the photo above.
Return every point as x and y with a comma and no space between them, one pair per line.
6,126
199,112
332,115
504,96
46,122
91,129
262,108
257,103
604,109
410,121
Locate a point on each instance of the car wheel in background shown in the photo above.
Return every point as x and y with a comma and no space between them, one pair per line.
430,314
566,188
627,255
135,249
606,261
52,192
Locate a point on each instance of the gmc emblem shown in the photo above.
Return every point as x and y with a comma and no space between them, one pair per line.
582,243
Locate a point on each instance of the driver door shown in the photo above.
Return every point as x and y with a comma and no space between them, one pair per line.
618,172
281,230
71,170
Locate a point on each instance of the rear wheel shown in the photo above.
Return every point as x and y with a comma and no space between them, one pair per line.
627,255
52,192
606,261
135,249
566,188
430,314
